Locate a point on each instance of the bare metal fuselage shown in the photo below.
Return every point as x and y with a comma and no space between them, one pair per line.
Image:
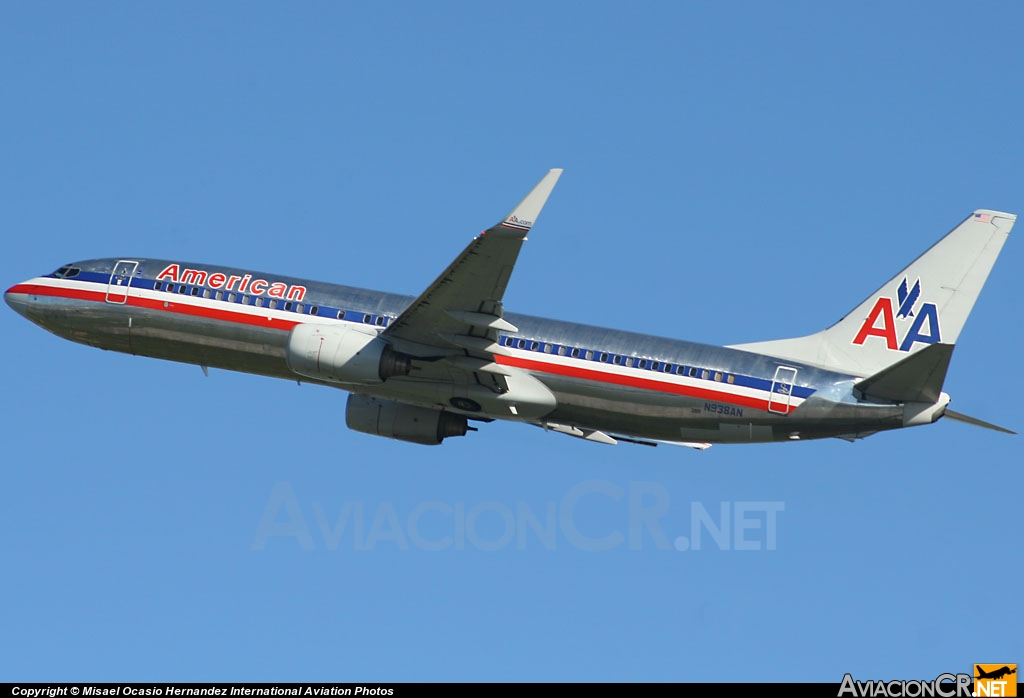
621,383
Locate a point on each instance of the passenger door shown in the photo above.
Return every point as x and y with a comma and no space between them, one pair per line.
121,281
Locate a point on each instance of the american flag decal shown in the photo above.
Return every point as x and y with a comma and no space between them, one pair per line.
983,217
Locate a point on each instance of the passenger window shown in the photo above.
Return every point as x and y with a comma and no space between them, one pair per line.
589,355
288,306
195,291
298,307
575,353
380,320
604,358
693,372
273,304
156,286
258,302
315,310
641,363
680,370
731,379
206,293
341,314
549,348
534,345
655,365
219,296
629,362
561,351
246,300
704,374
617,360
667,368
231,297
182,289
170,288
718,376
367,318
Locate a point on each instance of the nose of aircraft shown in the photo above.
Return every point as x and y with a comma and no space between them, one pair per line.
17,299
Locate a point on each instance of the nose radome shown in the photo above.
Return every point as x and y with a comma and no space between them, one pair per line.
17,299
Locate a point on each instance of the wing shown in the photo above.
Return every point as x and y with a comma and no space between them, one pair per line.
453,326
614,439
463,307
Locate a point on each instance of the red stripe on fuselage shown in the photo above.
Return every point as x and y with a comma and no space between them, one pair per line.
635,382
153,304
515,361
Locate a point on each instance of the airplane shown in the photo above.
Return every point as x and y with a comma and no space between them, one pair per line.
422,369
996,673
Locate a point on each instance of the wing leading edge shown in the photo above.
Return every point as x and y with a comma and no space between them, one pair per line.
454,323
462,308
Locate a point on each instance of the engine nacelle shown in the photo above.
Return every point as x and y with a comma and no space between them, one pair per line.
397,420
347,354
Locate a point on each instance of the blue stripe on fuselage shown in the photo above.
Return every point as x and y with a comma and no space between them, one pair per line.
327,311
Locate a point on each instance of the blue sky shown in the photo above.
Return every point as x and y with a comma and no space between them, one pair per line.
733,172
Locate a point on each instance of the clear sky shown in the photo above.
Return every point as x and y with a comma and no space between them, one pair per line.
733,172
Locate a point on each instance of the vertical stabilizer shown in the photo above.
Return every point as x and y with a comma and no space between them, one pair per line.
926,303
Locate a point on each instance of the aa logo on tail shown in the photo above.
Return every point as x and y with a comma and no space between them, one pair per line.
882,320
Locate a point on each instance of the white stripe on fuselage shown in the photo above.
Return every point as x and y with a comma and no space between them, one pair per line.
163,296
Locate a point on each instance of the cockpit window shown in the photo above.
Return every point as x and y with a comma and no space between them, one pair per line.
66,272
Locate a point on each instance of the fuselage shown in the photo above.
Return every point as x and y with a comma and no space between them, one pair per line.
633,385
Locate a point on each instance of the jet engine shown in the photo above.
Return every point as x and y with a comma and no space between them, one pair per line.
348,354
397,420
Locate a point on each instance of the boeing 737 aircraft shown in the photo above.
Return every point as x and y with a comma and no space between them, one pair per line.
422,369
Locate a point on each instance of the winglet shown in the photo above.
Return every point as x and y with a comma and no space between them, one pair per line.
525,214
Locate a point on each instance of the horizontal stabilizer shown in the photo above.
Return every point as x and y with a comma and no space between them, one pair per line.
958,417
917,378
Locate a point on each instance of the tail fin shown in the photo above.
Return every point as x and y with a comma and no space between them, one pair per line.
927,303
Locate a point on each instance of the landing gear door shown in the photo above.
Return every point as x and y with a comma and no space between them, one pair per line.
121,281
782,390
